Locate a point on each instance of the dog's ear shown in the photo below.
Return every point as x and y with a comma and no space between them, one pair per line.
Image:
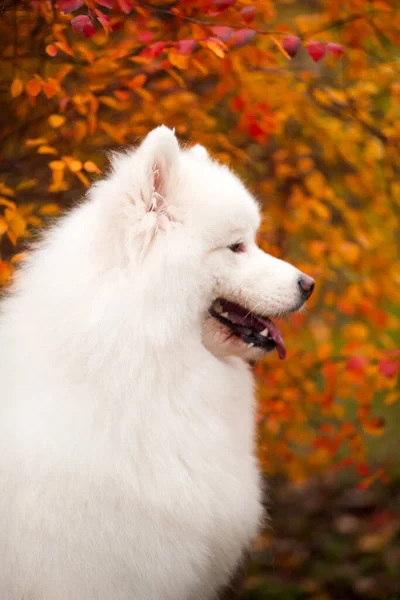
158,166
159,154
199,152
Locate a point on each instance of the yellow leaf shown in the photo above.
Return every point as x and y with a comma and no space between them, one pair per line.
355,332
57,165
16,87
32,142
350,251
200,66
35,221
215,48
46,150
3,226
177,59
80,130
27,184
198,32
145,94
110,102
91,167
16,223
72,163
9,203
56,121
392,398
180,81
19,257
49,209
4,189
321,210
315,182
58,185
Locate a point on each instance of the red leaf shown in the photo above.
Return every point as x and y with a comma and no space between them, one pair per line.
79,22
363,469
243,36
125,6
89,30
82,24
388,368
106,3
103,20
223,32
336,49
185,47
157,48
291,44
221,5
248,13
237,104
67,6
356,363
316,50
146,36
256,132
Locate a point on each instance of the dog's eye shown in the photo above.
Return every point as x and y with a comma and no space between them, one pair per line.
238,247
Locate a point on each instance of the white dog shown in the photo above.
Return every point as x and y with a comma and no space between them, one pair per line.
127,469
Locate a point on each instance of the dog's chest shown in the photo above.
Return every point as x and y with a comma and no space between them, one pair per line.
199,478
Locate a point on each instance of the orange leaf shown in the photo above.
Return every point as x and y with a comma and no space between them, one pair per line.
3,226
215,47
374,426
5,272
32,142
17,88
51,50
137,81
8,203
91,167
49,209
46,150
57,165
19,257
33,87
56,121
49,89
17,225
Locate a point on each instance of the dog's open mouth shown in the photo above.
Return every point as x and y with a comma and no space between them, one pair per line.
253,329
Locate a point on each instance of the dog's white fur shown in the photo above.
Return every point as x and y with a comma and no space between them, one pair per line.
126,418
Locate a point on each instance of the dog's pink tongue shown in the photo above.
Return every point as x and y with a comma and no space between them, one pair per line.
276,336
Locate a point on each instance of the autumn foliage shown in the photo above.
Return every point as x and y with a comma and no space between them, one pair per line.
303,99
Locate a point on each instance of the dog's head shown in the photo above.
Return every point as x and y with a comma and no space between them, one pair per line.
194,235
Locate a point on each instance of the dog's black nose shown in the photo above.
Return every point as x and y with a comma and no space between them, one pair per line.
307,285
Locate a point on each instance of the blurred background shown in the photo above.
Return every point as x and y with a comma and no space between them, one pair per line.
302,98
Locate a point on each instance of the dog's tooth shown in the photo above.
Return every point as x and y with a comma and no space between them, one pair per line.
264,332
225,315
250,345
217,307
